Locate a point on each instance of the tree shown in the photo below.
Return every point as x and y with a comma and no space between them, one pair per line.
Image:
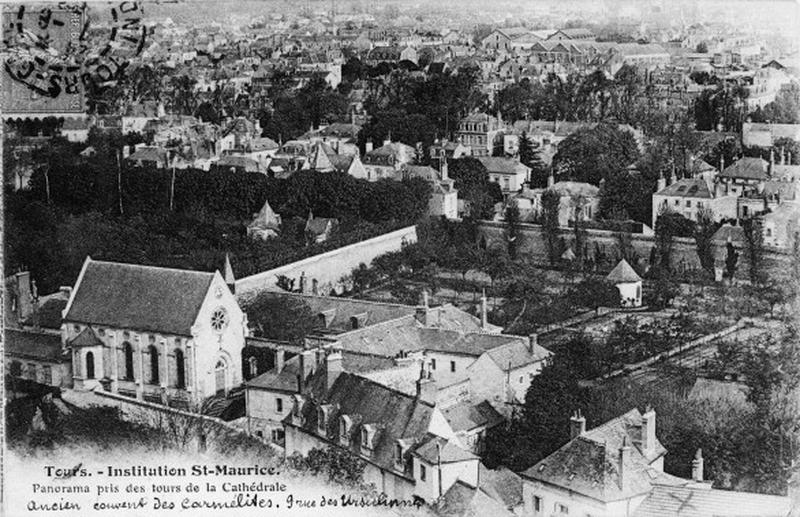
473,185
550,225
594,293
279,317
625,195
704,230
664,289
754,237
592,154
512,230
668,225
731,260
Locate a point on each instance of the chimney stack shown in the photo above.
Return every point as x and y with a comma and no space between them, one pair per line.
533,340
368,146
721,163
551,179
280,359
624,458
24,302
426,386
306,367
333,365
648,430
444,171
484,316
577,425
697,466
422,310
662,182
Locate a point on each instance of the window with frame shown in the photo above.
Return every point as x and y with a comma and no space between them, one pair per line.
561,509
452,366
537,503
422,472
279,405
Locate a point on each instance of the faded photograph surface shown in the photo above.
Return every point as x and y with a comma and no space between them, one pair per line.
404,258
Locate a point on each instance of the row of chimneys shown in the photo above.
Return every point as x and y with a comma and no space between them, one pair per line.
578,428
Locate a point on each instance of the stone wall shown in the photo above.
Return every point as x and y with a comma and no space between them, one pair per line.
328,272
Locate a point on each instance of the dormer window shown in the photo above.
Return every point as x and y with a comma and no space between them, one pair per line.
369,433
345,425
398,454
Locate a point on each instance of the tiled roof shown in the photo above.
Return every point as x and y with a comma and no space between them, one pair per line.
746,168
623,272
466,416
688,501
687,187
129,296
589,464
34,345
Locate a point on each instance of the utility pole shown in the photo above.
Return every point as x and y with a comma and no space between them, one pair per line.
119,182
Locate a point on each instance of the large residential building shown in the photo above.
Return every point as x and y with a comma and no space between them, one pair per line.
617,469
478,132
509,173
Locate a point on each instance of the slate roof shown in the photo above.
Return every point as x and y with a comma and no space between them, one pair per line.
149,154
688,501
499,165
434,449
466,416
463,500
285,380
728,233
397,416
34,345
238,162
589,464
516,354
341,162
687,187
86,338
746,168
501,485
623,273
266,218
147,298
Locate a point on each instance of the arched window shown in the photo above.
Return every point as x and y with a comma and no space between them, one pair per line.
180,369
220,376
89,365
127,350
153,364
252,362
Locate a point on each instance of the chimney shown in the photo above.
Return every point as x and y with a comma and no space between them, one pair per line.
24,295
484,317
577,425
230,280
426,386
533,340
697,466
771,161
306,367
662,182
422,311
624,458
551,179
280,359
387,141
672,176
721,163
444,171
368,146
648,431
333,367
